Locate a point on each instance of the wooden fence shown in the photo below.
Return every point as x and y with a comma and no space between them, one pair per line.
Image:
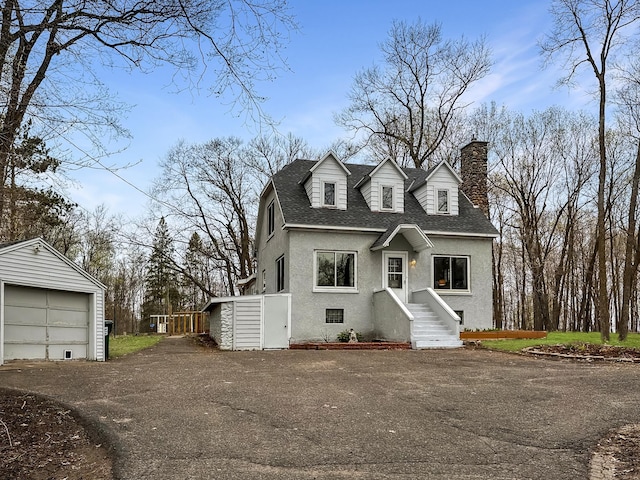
180,323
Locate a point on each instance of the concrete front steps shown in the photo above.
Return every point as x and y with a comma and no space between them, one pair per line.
429,331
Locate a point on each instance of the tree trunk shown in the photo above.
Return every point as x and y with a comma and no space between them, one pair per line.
630,267
498,287
584,310
603,294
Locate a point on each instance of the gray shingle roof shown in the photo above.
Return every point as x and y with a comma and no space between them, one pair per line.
297,209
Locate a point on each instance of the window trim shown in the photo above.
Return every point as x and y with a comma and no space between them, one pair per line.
450,291
280,274
393,199
335,194
335,289
437,202
271,219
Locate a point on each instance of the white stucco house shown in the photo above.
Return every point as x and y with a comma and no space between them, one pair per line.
50,308
399,254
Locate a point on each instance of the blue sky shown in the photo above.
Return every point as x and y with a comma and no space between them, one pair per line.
337,38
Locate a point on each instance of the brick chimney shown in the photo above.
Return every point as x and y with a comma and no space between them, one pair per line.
473,170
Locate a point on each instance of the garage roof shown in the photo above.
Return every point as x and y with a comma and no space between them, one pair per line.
38,244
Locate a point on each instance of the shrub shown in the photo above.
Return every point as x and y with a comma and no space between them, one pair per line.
343,336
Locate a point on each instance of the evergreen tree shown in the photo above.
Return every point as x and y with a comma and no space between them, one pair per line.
27,207
195,268
162,295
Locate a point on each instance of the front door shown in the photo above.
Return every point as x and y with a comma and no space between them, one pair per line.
395,273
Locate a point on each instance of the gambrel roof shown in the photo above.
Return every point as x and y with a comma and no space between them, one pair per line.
297,211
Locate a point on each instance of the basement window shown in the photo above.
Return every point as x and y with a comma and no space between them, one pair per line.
335,315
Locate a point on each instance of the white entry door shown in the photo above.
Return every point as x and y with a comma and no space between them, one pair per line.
276,321
394,273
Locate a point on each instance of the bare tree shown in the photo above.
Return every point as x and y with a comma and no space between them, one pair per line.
628,98
209,189
48,50
266,155
542,165
590,33
406,107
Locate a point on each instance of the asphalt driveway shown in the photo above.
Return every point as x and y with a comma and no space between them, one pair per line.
179,411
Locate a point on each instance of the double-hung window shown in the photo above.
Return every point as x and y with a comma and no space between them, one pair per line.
335,271
451,273
387,198
442,201
329,194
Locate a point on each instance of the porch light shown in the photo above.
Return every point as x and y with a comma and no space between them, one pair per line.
413,262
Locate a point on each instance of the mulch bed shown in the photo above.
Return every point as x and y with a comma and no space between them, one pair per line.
587,351
42,440
621,453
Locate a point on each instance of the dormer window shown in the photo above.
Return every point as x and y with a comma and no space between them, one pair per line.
329,194
443,201
387,198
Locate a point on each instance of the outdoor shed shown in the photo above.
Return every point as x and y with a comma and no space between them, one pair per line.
50,308
251,322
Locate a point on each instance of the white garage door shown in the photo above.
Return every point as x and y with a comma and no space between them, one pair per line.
45,324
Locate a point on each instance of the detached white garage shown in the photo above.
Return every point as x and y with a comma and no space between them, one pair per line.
50,309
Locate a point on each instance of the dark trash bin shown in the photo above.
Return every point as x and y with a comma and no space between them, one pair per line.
108,327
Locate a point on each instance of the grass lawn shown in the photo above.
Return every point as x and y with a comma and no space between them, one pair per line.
555,338
124,344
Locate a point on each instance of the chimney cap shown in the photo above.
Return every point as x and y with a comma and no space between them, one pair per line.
474,141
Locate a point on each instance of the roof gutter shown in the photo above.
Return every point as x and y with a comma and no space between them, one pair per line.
382,230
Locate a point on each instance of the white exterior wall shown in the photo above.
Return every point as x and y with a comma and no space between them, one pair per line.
477,304
308,319
226,326
221,325
327,171
440,180
48,270
308,307
270,249
247,331
365,190
386,176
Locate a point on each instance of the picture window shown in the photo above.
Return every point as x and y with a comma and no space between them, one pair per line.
451,273
335,269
